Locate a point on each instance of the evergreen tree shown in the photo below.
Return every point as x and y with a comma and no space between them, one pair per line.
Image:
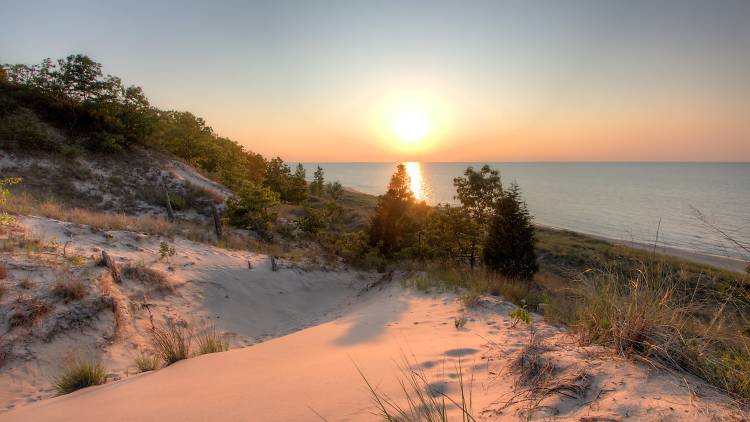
316,186
392,226
334,190
509,248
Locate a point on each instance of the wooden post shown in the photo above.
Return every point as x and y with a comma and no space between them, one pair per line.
217,222
274,264
170,212
110,263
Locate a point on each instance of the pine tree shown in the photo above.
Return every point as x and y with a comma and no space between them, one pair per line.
391,224
316,186
509,248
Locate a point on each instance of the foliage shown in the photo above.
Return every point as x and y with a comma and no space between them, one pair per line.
316,186
291,188
166,251
479,192
520,314
398,217
312,221
80,373
334,190
451,234
248,209
509,248
5,218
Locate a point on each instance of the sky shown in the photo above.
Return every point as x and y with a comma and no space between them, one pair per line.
326,81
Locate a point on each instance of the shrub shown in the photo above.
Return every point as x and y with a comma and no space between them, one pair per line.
249,208
79,373
166,251
27,310
24,127
146,363
70,290
172,342
509,248
211,341
520,314
177,201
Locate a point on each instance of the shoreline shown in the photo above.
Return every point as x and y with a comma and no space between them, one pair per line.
721,262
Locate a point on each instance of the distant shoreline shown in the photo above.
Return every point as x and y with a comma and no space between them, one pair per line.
722,262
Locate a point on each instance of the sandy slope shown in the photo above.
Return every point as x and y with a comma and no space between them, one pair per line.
312,371
210,286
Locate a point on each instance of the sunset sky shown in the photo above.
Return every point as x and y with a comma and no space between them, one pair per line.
427,80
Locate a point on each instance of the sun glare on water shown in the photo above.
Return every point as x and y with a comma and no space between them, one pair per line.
414,169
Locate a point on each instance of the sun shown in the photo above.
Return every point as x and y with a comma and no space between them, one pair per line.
411,126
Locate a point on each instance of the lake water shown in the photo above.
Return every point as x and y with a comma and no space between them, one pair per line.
627,201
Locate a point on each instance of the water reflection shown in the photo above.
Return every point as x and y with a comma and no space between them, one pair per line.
414,169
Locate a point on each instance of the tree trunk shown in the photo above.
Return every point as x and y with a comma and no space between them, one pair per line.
217,222
170,212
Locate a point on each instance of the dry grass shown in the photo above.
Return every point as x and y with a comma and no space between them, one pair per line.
26,284
148,276
421,400
211,341
70,289
79,373
3,289
537,378
3,271
146,363
171,342
27,310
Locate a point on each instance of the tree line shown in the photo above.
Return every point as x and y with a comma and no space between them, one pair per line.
96,111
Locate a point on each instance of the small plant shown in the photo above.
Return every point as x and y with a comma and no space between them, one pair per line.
3,271
146,363
5,218
70,290
172,342
166,251
424,400
79,373
27,310
26,284
520,314
211,341
460,322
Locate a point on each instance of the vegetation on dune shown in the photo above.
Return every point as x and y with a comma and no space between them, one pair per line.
171,342
79,373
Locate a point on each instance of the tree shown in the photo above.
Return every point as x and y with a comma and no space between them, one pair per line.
297,191
479,192
396,223
334,190
449,234
316,186
509,248
248,209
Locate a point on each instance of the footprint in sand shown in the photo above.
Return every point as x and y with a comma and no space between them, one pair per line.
461,352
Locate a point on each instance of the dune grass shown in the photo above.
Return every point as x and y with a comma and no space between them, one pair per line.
420,400
171,342
146,363
148,276
210,340
79,373
70,289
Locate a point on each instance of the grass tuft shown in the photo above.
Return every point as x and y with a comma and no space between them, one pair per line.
171,342
420,400
27,310
79,373
146,363
69,289
211,341
3,271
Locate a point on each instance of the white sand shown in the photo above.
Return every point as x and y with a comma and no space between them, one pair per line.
300,373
